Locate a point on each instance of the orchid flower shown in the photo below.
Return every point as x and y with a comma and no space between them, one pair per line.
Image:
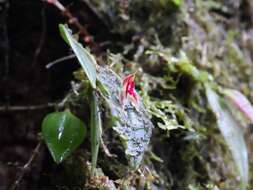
128,92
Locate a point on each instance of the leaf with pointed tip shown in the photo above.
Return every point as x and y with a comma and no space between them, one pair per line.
63,133
86,60
231,133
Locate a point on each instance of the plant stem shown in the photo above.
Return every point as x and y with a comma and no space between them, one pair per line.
96,131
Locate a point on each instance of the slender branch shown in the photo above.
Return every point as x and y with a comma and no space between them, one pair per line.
27,166
61,104
60,60
106,150
8,108
72,20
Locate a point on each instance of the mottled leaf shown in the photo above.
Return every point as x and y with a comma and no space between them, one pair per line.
231,133
86,60
63,133
133,126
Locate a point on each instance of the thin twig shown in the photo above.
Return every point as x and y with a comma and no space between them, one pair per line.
49,65
42,36
8,108
106,150
61,104
72,20
27,166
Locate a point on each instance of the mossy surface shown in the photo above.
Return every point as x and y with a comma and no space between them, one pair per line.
175,48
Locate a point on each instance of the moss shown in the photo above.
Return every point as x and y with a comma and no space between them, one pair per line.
176,50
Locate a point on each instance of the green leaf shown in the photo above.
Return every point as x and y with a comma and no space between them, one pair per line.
96,131
86,60
231,133
177,2
63,33
63,133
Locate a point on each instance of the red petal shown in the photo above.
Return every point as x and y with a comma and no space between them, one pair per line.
129,78
129,90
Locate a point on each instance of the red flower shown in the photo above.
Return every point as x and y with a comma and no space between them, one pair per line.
129,92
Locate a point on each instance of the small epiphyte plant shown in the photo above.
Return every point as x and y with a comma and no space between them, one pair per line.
64,132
